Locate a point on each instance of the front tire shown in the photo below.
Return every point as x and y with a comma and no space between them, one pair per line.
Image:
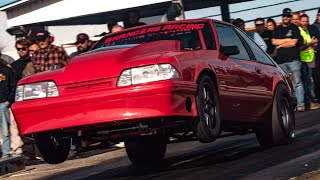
280,130
146,149
208,107
54,150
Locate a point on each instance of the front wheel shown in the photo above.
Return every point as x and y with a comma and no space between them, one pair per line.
53,149
146,149
280,129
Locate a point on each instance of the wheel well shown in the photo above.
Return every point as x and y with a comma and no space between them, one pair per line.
210,74
280,83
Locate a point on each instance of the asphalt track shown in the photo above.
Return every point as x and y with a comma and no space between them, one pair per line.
236,157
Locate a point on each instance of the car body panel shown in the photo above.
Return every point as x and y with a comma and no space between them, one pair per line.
96,106
88,92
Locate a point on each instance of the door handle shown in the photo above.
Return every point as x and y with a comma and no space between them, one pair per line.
258,70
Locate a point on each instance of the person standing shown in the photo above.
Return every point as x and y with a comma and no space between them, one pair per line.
287,38
266,36
316,71
132,19
116,28
310,35
295,19
271,24
317,21
7,93
19,65
253,35
21,145
83,44
29,69
49,56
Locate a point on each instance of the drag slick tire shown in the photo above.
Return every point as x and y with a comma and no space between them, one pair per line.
54,150
208,107
280,129
146,150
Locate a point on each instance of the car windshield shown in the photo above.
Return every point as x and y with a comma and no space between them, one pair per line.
186,33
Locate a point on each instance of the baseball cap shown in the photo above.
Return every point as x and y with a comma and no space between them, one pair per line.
42,35
82,37
287,11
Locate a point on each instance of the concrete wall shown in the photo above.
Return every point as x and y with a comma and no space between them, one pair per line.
6,40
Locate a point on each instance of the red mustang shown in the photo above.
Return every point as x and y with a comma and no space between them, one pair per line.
146,84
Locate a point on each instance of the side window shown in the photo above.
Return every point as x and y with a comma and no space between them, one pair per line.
227,37
259,54
208,37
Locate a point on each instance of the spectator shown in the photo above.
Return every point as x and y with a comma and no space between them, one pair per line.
271,24
253,35
317,21
83,44
287,37
116,28
32,48
22,47
174,11
49,56
6,58
316,71
29,69
310,35
266,35
110,23
295,19
131,19
7,93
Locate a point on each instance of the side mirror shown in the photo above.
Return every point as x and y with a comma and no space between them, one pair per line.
229,50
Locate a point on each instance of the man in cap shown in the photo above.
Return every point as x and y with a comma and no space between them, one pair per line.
287,38
83,44
48,56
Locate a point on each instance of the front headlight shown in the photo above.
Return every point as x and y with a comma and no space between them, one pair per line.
36,91
146,74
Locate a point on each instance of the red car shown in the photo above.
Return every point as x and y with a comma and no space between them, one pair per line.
146,84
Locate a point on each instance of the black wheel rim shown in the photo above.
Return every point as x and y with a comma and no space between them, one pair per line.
286,118
209,106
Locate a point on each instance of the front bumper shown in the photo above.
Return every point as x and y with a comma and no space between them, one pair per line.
158,99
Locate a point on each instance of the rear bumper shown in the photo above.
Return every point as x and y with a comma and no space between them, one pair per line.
161,99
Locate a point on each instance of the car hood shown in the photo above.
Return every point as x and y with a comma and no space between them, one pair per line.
101,64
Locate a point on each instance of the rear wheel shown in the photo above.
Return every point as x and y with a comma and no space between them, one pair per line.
146,149
280,129
53,149
209,126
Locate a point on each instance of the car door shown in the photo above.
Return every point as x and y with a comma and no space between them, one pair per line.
234,103
259,83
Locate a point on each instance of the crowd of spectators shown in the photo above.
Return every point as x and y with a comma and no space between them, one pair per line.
293,45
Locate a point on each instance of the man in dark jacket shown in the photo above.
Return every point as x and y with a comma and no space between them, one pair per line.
19,65
7,93
317,22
